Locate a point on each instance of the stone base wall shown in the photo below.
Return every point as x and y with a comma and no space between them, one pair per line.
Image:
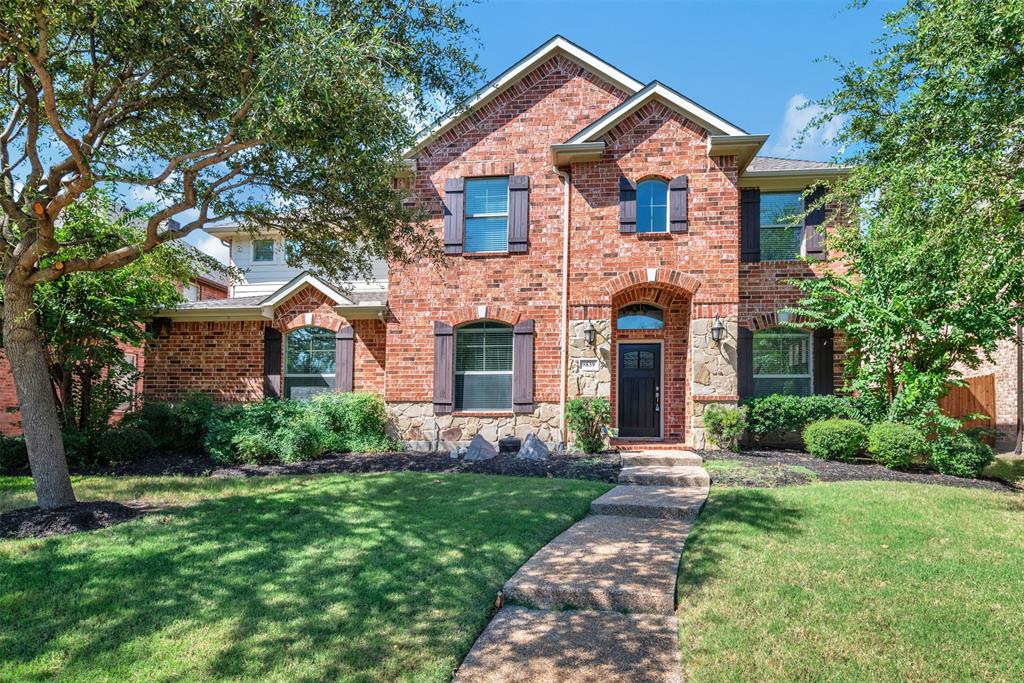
715,380
590,366
420,430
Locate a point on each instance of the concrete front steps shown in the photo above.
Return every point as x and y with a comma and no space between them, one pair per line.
665,475
653,502
663,458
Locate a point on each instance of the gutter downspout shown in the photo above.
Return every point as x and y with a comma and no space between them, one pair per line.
564,175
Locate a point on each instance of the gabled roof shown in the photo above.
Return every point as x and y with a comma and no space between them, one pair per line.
300,281
557,45
714,124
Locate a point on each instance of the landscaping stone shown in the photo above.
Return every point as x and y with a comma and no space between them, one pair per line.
509,444
605,562
554,647
479,449
534,449
655,502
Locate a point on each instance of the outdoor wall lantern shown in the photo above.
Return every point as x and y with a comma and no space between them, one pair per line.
589,333
717,330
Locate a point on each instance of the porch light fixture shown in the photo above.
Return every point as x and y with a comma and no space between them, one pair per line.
589,333
717,330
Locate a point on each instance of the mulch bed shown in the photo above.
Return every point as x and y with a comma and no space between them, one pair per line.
35,522
597,467
830,470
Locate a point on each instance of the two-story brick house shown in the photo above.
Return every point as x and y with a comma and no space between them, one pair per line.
602,237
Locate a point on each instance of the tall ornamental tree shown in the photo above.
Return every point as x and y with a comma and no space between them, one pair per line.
933,243
289,115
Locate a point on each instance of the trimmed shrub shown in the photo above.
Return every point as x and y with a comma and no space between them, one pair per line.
959,454
835,439
193,414
174,427
355,422
122,445
13,454
725,425
779,414
588,417
159,420
895,445
221,428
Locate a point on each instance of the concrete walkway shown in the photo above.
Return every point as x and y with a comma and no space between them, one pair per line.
599,600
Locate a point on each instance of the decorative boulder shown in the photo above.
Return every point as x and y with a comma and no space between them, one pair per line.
479,449
534,449
509,444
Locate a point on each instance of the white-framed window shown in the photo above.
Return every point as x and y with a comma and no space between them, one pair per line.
652,205
486,215
308,362
263,251
190,292
782,362
483,367
640,317
782,224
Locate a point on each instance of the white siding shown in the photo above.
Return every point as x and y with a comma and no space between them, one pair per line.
265,278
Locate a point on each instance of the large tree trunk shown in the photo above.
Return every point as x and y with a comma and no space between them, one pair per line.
39,422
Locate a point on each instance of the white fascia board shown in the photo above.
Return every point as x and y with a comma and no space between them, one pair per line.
364,311
655,90
743,147
212,314
557,45
302,280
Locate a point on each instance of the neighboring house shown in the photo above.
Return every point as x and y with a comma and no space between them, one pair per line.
203,287
604,237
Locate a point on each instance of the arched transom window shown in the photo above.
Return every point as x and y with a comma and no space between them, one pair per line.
309,362
483,367
652,206
640,317
782,362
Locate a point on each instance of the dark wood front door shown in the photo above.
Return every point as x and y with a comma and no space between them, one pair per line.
640,390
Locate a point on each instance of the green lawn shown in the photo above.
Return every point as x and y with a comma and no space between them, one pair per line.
355,578
1007,466
856,581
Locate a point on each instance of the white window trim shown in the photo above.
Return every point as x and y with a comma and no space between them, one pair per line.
466,216
800,251
455,360
252,250
809,336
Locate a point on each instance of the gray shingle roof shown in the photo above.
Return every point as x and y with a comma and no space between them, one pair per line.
760,163
357,298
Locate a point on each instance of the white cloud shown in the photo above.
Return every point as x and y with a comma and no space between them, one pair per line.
817,144
208,244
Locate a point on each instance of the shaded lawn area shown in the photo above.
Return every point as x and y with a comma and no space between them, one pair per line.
340,577
854,581
1007,466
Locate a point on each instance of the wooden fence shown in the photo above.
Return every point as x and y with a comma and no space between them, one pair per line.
979,396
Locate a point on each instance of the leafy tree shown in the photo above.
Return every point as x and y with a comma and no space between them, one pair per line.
86,318
276,114
933,244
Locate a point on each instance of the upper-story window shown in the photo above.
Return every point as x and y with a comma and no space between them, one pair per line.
782,362
262,251
483,367
486,215
652,206
781,225
640,317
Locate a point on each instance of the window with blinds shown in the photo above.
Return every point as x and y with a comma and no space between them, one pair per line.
782,362
486,215
483,367
309,362
781,225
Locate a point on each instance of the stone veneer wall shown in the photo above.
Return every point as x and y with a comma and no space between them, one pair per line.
597,382
713,373
417,426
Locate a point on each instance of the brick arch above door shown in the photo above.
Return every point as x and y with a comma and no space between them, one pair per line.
664,278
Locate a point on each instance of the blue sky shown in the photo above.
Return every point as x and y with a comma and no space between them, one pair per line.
751,62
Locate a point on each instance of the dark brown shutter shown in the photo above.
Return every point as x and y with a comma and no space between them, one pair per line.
271,363
750,226
518,213
454,215
678,196
627,205
522,367
344,358
745,362
444,367
813,238
824,353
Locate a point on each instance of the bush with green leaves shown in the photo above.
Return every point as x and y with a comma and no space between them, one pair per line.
176,427
780,414
895,445
121,445
13,454
960,454
588,417
292,431
835,439
724,425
